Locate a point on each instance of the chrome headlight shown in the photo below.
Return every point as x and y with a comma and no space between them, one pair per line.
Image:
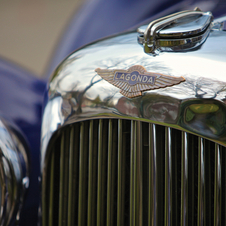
13,174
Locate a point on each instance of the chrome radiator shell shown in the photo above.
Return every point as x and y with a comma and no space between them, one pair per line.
76,95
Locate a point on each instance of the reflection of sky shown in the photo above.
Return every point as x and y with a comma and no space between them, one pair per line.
52,110
195,67
123,52
52,118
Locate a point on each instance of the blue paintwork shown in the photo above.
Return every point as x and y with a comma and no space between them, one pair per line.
21,94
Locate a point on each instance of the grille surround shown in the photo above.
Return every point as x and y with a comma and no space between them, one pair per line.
151,198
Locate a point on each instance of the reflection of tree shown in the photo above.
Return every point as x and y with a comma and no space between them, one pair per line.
203,88
223,89
80,95
75,97
122,63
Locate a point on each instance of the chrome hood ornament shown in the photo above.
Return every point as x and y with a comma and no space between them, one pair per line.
179,32
136,79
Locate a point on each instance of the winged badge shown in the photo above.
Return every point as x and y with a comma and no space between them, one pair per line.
136,80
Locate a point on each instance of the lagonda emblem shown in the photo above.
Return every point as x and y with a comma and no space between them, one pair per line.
136,80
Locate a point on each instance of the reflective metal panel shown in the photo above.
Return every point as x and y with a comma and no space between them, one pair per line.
218,187
201,181
76,92
184,180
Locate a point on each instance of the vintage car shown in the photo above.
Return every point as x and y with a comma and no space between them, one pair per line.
132,126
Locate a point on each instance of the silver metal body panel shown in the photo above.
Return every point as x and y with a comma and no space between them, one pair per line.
76,92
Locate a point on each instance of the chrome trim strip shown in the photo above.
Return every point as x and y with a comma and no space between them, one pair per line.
136,174
61,185
132,178
184,179
72,164
63,194
82,175
153,175
91,181
201,182
110,176
217,187
100,182
138,182
52,186
168,177
121,172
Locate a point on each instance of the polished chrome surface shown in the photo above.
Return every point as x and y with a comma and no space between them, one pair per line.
184,180
168,178
152,205
201,182
111,173
14,173
92,178
121,174
182,31
100,175
218,187
136,184
76,92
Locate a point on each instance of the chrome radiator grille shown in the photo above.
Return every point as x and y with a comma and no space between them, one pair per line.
121,172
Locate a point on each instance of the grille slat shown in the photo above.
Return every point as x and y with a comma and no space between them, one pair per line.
61,185
152,206
121,172
121,180
83,166
136,172
192,179
91,180
184,179
101,184
51,196
72,173
217,187
63,194
132,177
100,177
110,182
201,181
168,177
